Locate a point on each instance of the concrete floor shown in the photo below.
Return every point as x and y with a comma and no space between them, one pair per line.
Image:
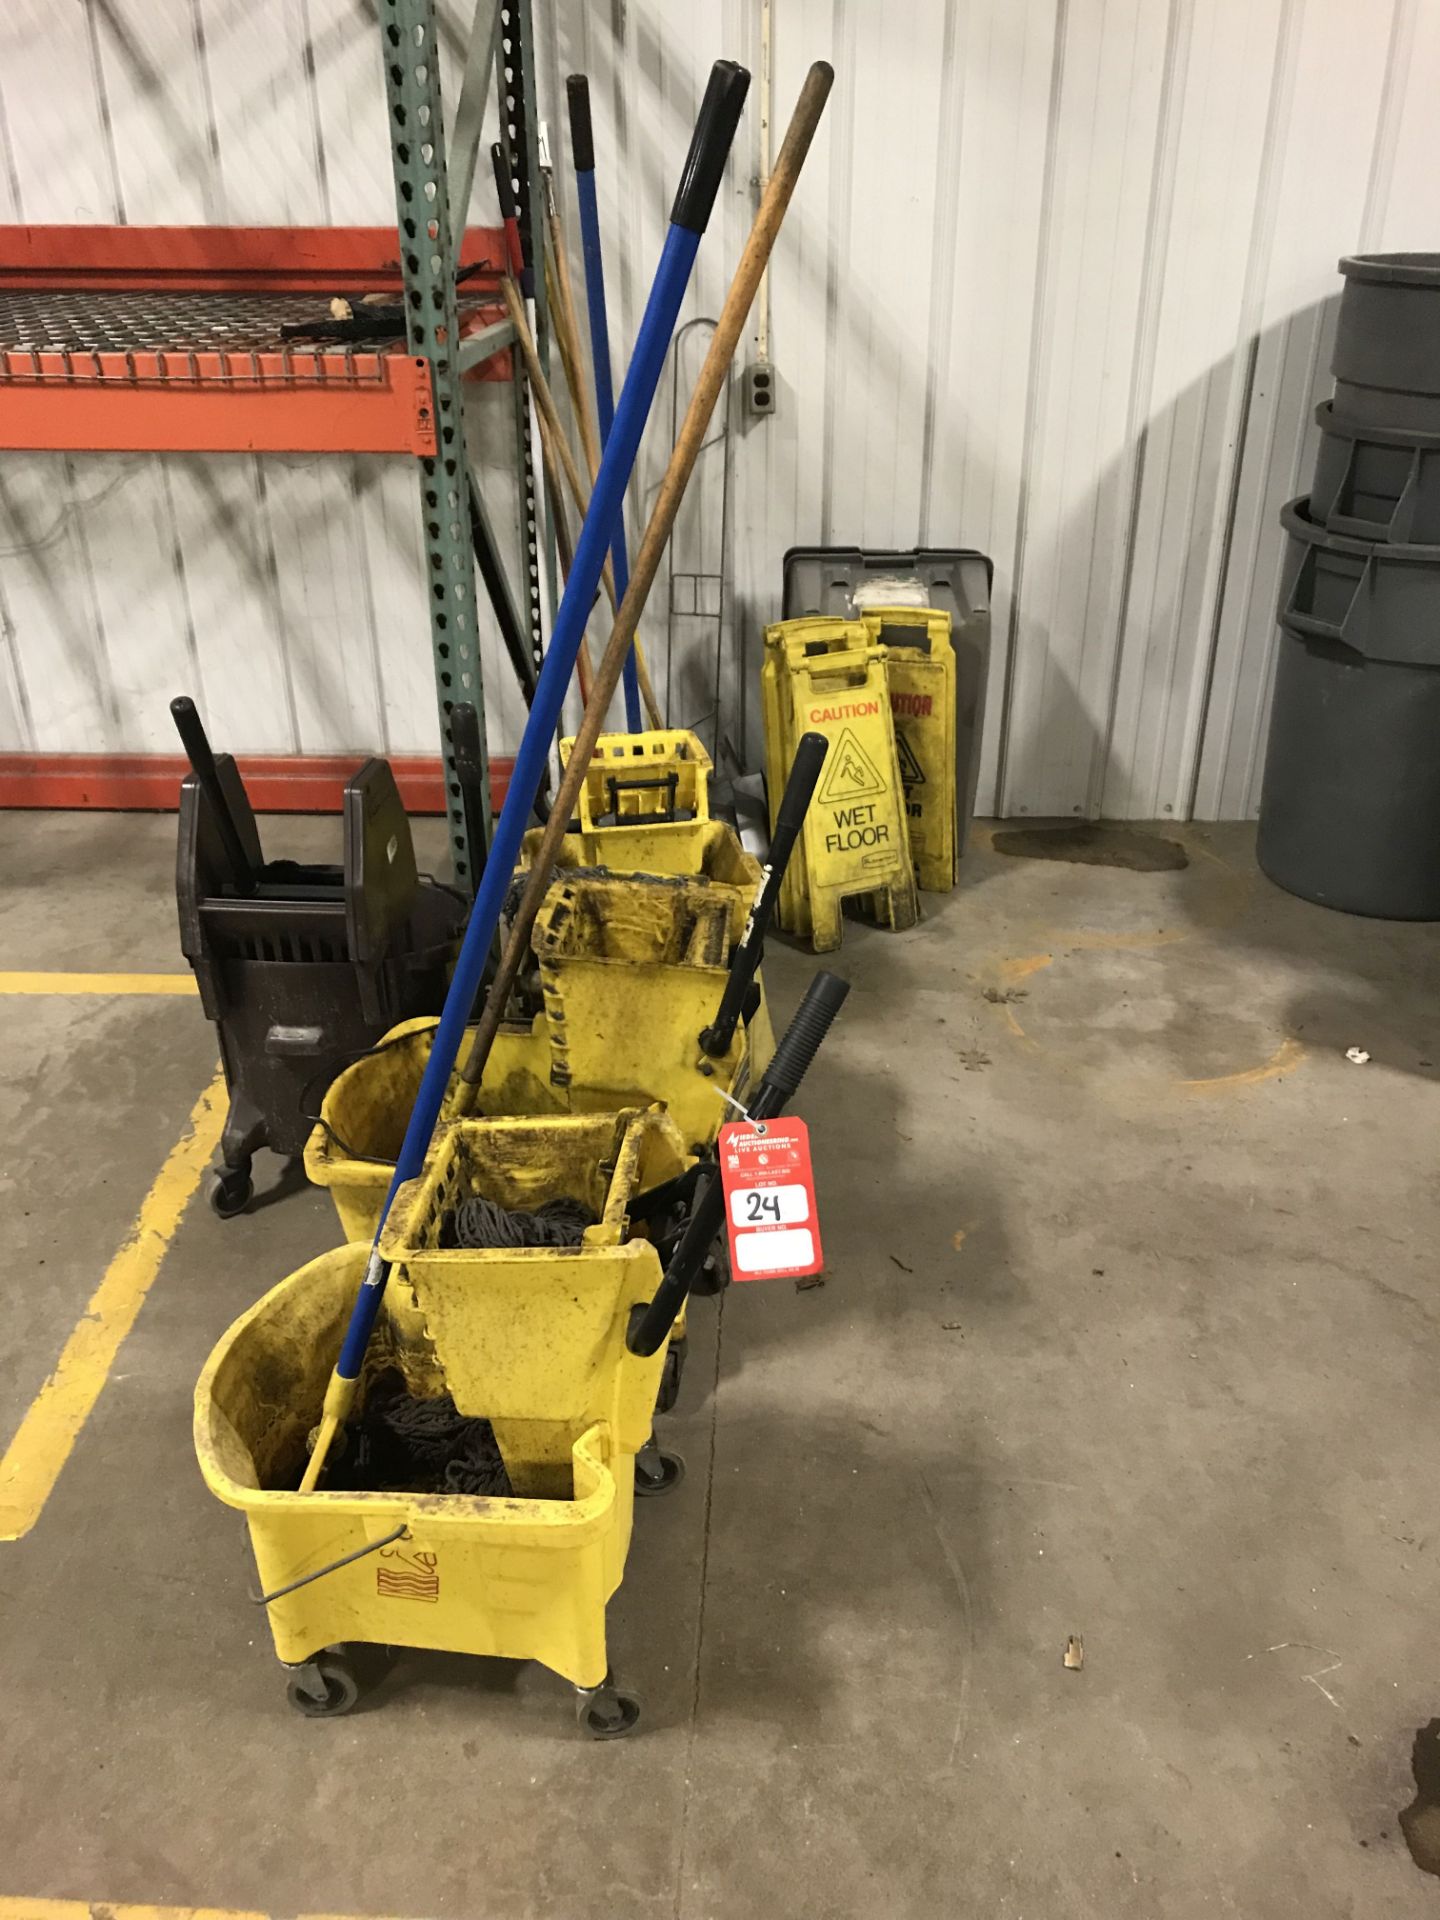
1129,1332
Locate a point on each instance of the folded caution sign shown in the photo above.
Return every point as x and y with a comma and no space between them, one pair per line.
828,676
920,668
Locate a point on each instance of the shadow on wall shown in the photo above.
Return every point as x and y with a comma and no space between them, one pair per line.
1131,670
1133,663
1134,612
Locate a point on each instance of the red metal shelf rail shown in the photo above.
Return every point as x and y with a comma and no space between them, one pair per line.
167,339
276,783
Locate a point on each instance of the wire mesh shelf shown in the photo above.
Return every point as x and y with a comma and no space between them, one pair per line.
106,365
153,339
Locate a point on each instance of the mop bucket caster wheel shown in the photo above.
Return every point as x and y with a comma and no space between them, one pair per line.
657,1471
231,1191
324,1686
606,1712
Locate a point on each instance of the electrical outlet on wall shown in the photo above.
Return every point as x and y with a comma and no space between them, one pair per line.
760,388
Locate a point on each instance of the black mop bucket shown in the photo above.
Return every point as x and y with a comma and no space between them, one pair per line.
1350,808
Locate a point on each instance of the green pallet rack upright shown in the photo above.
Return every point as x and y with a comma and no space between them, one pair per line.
500,42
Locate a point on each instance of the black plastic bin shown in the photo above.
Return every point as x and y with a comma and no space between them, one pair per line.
1387,341
954,579
314,966
1350,805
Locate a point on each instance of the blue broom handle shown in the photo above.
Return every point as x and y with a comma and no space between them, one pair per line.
595,297
582,153
705,163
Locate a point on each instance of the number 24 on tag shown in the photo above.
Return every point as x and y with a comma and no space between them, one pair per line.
769,1200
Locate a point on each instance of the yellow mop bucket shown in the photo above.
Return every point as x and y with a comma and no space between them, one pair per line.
826,676
523,1579
632,971
352,1150
532,1339
920,672
351,1153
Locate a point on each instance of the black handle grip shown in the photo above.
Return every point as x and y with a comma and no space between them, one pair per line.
799,788
710,145
196,743
470,771
650,1324
510,214
465,740
504,186
191,729
794,804
497,586
801,1040
582,134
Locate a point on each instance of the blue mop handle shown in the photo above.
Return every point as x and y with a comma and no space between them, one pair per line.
704,165
582,153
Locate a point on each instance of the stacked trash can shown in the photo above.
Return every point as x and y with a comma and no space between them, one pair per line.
1350,807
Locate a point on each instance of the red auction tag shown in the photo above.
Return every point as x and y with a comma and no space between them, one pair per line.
769,1199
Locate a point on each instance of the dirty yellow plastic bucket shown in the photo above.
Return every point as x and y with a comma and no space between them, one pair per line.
352,1151
654,780
613,1034
708,850
632,970
533,1338
524,1579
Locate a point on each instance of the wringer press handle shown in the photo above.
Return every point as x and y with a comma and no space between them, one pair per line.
794,804
195,741
651,1324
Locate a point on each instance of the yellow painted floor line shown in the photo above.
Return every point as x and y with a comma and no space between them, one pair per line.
17,1907
117,983
52,1423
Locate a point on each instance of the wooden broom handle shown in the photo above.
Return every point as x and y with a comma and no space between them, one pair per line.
567,337
723,342
557,448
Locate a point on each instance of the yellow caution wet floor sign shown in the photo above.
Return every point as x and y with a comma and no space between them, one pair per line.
920,668
826,676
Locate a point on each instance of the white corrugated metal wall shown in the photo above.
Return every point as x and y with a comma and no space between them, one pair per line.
1059,285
